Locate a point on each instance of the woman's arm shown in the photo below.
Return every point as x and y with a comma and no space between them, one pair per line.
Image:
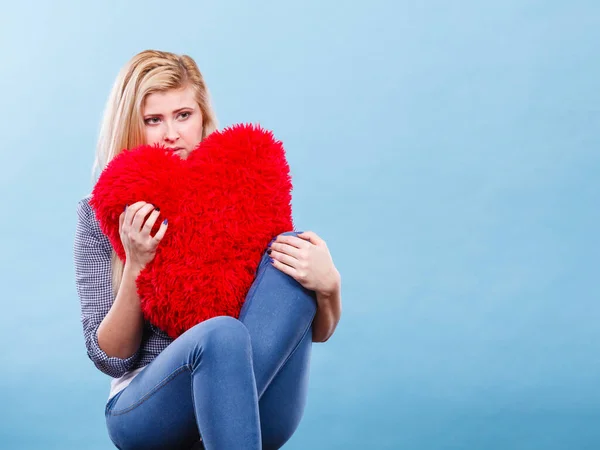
120,332
92,259
329,311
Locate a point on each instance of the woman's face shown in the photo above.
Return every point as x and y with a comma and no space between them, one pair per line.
173,119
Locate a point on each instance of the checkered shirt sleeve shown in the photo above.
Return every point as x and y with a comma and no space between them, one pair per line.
92,252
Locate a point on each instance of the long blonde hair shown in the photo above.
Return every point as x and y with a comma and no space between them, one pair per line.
122,125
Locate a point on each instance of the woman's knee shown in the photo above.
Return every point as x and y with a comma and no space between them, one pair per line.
224,335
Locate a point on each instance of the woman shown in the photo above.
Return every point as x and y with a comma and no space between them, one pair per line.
231,383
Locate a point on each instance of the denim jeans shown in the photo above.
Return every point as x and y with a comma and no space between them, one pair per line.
234,383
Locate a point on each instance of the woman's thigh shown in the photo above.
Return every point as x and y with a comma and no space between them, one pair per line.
160,417
159,409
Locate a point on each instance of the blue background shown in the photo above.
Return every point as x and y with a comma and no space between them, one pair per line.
446,151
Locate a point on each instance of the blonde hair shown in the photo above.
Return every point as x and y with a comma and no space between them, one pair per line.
122,124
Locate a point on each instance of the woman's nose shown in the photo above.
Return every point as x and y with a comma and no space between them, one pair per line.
170,134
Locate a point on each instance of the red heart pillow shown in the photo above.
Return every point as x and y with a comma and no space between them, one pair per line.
224,203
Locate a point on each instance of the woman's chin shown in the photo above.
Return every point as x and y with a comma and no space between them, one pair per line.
183,154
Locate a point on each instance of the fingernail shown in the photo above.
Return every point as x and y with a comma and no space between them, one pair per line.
272,260
269,251
126,207
157,209
165,221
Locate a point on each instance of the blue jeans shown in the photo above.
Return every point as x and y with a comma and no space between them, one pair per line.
237,384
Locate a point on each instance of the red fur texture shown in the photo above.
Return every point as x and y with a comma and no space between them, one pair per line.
224,203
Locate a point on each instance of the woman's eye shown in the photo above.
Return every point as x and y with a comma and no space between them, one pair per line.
186,114
152,120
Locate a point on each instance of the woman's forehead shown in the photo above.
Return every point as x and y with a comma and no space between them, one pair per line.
169,101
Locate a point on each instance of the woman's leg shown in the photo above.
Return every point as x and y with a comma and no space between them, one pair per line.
204,380
282,405
278,313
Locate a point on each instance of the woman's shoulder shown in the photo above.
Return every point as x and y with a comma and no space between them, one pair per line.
84,208
87,215
86,199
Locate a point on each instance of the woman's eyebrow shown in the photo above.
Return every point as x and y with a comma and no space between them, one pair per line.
174,112
181,109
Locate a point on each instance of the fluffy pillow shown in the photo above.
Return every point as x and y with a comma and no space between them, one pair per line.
224,203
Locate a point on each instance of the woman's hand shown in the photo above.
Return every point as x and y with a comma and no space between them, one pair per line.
140,247
306,258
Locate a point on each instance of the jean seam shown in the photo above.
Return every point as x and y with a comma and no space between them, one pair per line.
156,388
112,401
308,327
287,359
296,346
194,403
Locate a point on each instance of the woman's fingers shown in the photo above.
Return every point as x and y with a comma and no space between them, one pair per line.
130,212
150,222
284,268
161,231
140,216
312,237
293,241
134,218
285,259
287,249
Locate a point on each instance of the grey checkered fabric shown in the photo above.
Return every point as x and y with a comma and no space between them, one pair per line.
91,254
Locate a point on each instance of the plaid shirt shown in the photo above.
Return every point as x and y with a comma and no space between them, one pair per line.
92,257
